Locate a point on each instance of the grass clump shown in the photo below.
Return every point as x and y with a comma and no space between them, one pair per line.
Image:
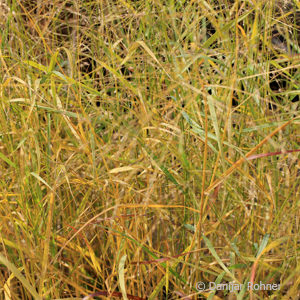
147,146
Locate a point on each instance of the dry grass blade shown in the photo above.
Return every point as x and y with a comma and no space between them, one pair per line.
21,278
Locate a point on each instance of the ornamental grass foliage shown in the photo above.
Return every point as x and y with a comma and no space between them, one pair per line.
149,149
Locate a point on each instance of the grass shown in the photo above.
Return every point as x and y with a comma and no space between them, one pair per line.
146,146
